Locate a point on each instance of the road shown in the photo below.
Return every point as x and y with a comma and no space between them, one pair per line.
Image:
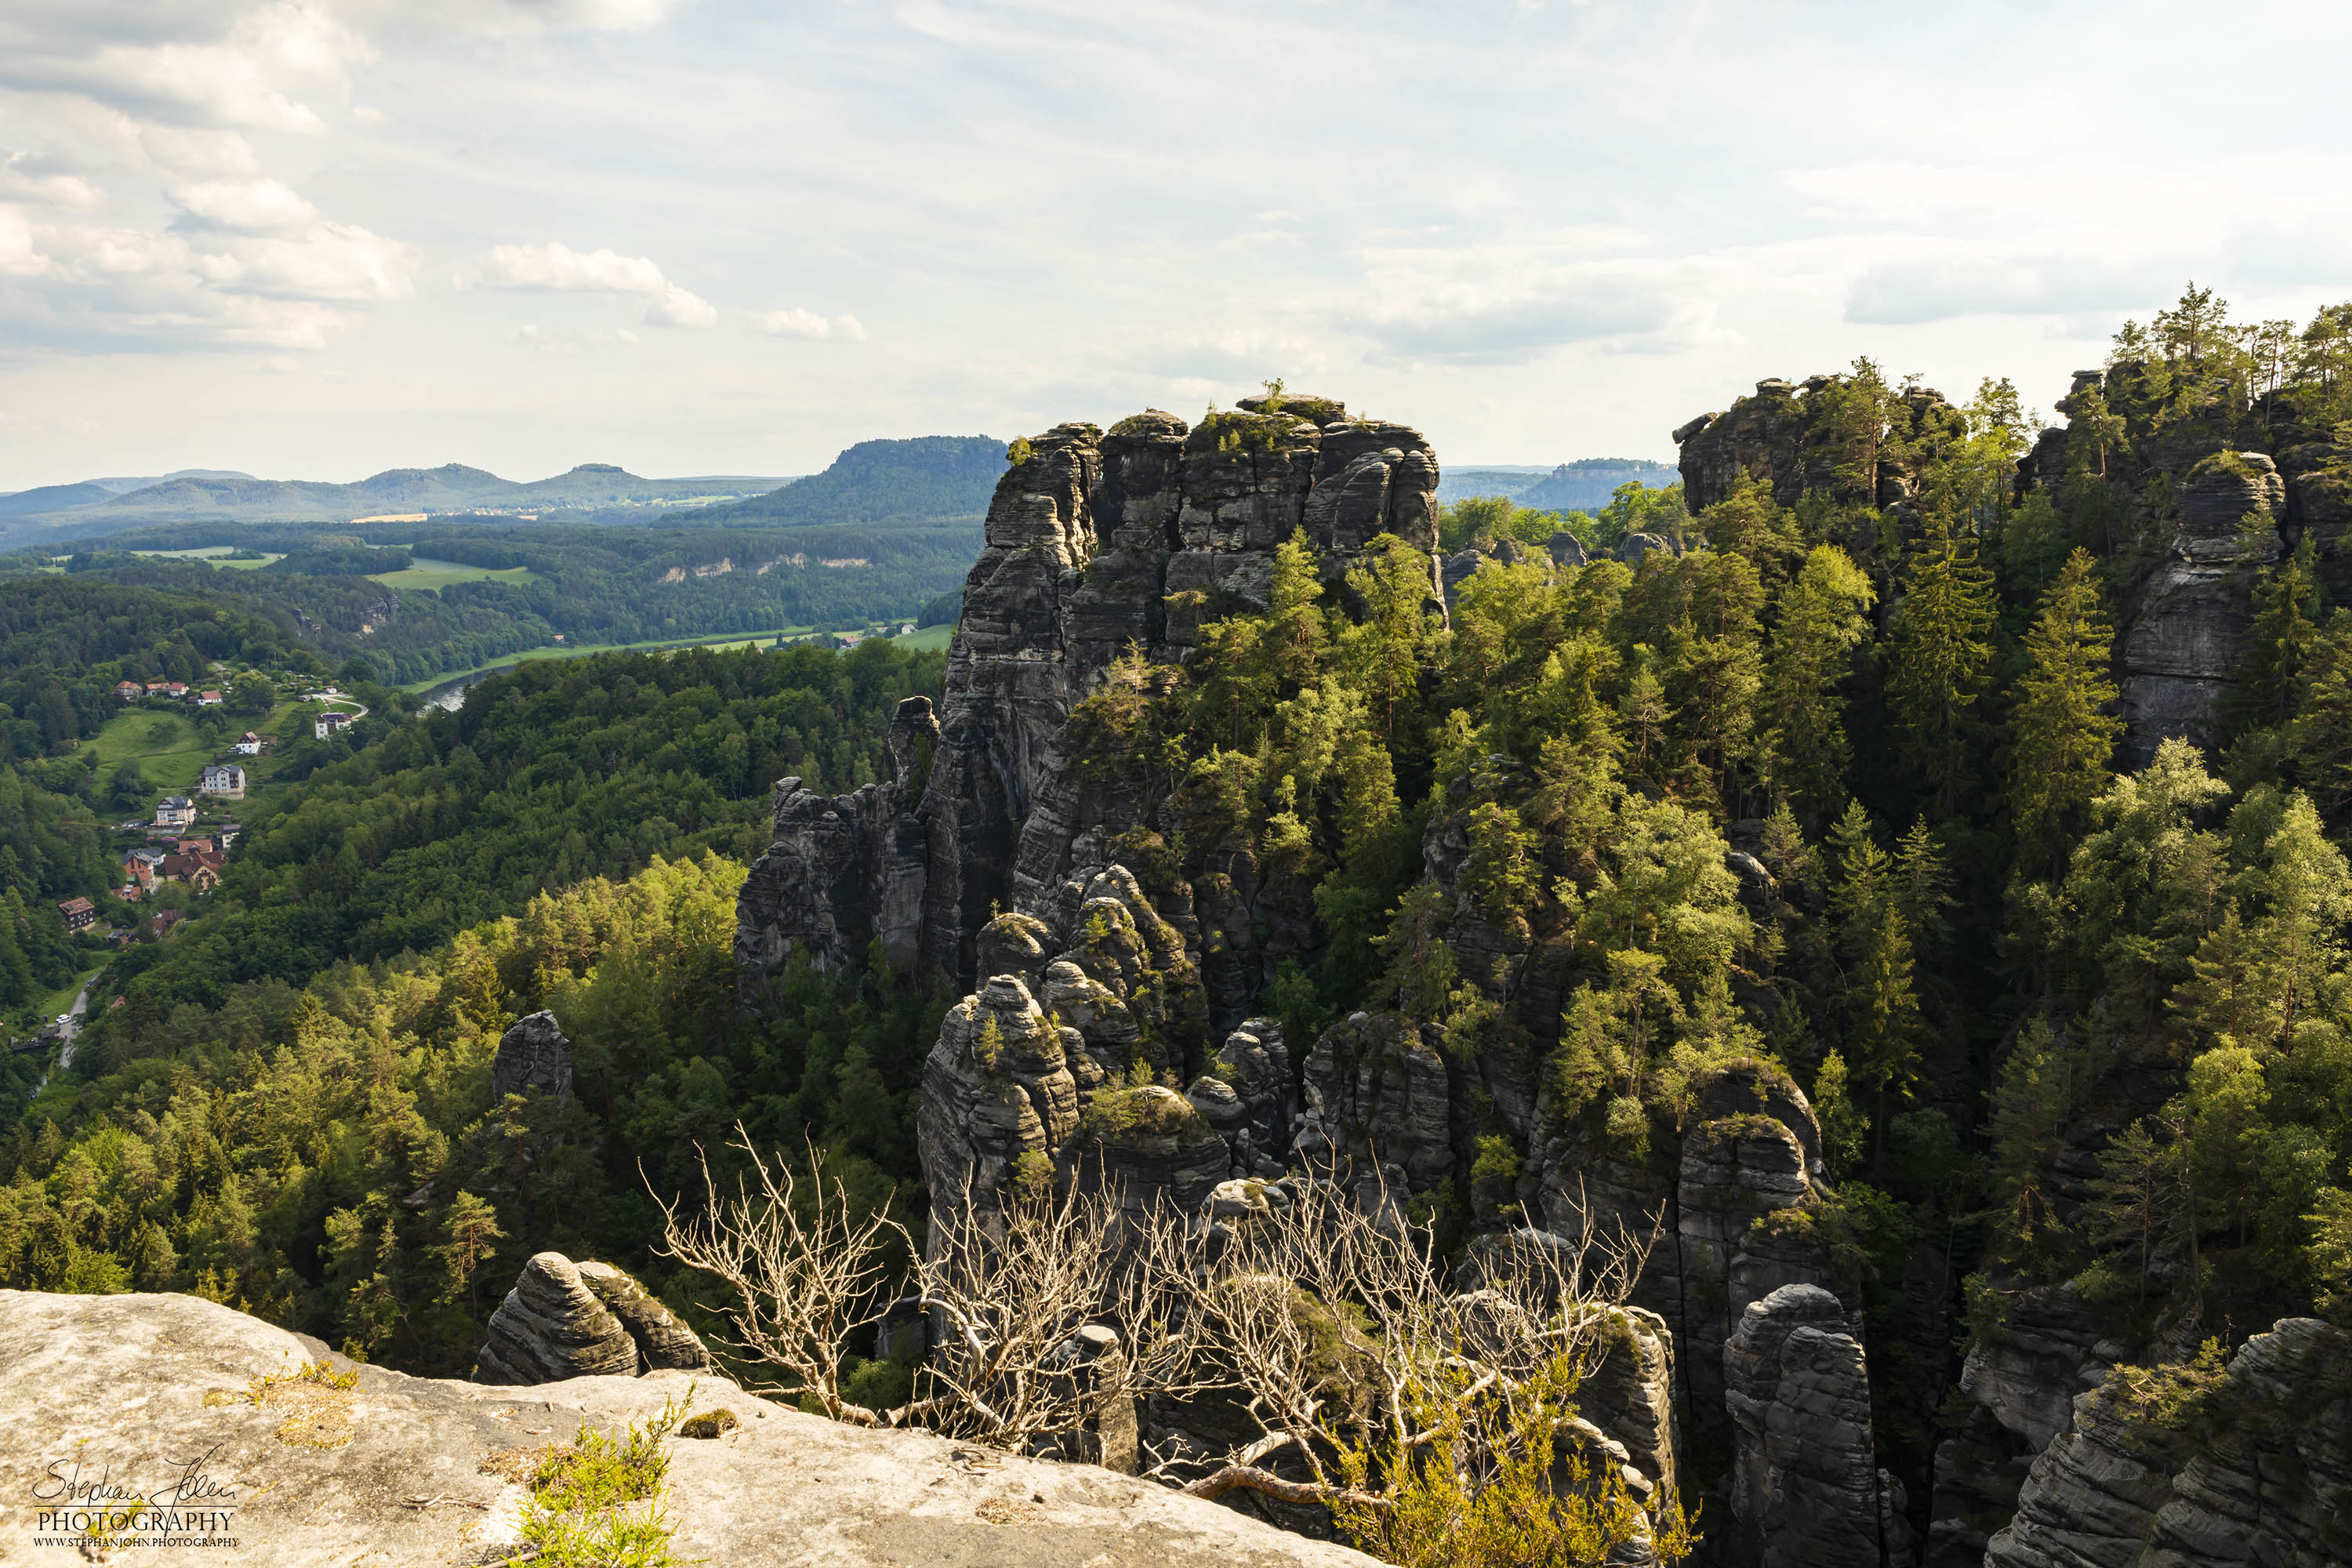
73,1023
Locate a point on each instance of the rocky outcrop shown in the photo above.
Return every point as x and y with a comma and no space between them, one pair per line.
1378,1103
533,1055
404,1474
581,1319
2189,620
2021,1383
2255,1469
843,871
1095,544
1792,440
1806,1490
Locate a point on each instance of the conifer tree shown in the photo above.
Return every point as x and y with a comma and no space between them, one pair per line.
2031,1101
2063,735
1821,622
1939,659
2135,1199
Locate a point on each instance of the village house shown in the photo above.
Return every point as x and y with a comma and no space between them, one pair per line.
80,915
208,699
251,744
224,779
141,868
157,688
174,811
128,690
332,721
200,870
176,688
161,924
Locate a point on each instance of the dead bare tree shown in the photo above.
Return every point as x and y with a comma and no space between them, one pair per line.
1331,1321
1336,1323
801,1276
1015,1291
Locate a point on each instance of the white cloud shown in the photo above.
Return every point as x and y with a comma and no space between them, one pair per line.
26,178
199,151
1508,304
556,266
677,307
252,206
17,257
808,324
329,261
1950,281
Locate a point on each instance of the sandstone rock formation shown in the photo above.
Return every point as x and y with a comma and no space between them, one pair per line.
1096,542
1788,439
2189,620
1806,1490
2259,1470
533,1054
2020,1385
404,1483
581,1320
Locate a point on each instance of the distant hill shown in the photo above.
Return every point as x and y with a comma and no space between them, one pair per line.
918,480
1587,484
1499,480
96,507
1584,485
53,497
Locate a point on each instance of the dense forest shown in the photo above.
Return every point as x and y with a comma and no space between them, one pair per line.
1836,782
573,837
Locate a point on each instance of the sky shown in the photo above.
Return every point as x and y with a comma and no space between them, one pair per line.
318,239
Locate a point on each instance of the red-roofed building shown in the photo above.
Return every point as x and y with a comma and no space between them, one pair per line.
128,690
81,914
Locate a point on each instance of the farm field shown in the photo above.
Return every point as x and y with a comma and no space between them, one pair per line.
173,751
431,575
717,640
170,748
213,556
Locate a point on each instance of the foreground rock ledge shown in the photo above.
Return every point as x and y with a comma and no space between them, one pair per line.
119,1383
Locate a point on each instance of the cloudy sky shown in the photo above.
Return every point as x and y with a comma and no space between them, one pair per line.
315,238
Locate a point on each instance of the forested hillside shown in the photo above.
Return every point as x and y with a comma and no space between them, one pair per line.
554,772
582,584
290,1107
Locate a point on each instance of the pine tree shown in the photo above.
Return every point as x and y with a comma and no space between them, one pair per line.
1939,659
1821,622
2063,735
2030,1105
471,1226
2135,1199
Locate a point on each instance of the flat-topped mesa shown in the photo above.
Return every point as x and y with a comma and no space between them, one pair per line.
1096,542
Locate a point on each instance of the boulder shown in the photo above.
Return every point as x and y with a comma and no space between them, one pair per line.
664,1343
553,1326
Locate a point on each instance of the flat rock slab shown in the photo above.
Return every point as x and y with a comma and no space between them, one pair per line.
145,1394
